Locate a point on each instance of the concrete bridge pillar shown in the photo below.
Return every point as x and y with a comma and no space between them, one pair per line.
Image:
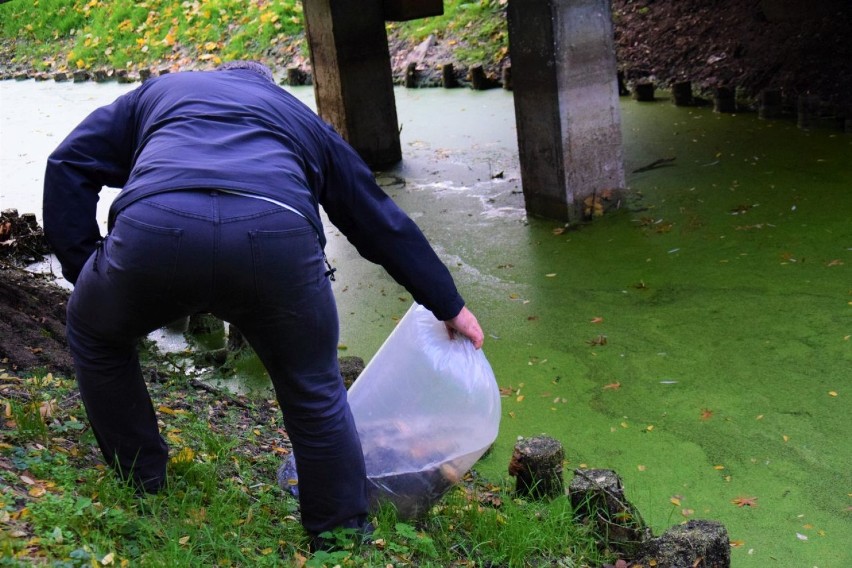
353,81
566,103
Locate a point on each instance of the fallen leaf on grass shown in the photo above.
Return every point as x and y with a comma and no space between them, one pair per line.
706,414
745,501
596,319
612,386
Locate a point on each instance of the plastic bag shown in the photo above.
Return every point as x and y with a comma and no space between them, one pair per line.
426,407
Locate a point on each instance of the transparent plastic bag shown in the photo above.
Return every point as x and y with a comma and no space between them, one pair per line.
426,407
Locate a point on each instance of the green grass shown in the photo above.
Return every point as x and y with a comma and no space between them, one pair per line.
60,35
62,507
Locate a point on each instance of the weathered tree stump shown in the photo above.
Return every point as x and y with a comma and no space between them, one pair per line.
448,76
724,100
296,76
236,339
204,324
695,543
643,92
682,93
770,103
21,239
144,74
60,77
101,76
597,496
537,466
350,369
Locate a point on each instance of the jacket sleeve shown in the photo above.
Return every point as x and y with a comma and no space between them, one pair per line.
383,233
97,153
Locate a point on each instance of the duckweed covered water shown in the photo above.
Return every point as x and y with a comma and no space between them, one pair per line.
697,341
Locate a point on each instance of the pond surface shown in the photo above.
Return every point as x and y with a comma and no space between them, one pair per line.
697,341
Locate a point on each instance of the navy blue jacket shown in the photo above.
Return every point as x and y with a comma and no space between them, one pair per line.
234,130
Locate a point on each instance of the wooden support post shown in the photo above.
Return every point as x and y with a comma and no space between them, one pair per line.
724,100
352,76
566,103
644,91
448,76
682,93
771,104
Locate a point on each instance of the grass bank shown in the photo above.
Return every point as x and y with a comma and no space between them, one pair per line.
222,507
67,35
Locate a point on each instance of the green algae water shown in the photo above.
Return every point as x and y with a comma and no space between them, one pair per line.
697,341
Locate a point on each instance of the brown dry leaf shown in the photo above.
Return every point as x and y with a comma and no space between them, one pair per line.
596,319
706,414
745,501
612,386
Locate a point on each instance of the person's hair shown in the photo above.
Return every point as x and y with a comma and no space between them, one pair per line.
258,68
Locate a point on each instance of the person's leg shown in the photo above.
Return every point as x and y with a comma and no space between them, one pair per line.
293,328
126,290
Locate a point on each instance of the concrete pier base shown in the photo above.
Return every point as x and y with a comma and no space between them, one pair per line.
566,103
352,76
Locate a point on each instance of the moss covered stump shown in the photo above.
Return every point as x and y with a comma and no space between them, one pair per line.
537,466
694,543
597,496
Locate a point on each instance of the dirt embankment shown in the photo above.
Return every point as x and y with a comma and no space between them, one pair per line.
793,46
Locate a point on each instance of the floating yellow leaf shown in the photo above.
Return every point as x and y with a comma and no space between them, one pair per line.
641,467
520,398
832,393
786,438
675,501
184,540
551,275
718,467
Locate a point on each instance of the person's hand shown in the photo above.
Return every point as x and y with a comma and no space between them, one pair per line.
465,323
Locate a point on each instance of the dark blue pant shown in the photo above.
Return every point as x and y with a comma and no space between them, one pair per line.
253,264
